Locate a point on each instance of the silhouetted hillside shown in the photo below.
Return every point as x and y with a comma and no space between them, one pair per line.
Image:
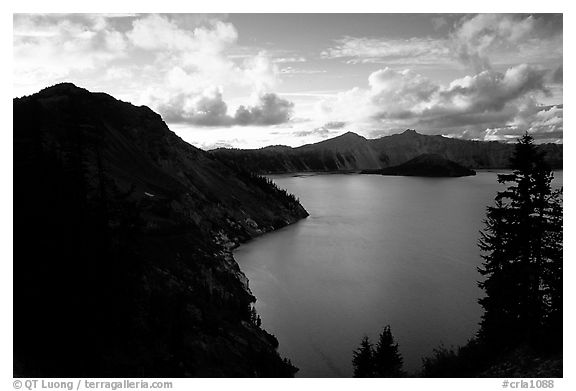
429,165
122,240
351,152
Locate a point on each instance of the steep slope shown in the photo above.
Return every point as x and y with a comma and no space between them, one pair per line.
122,241
427,165
347,152
399,148
351,152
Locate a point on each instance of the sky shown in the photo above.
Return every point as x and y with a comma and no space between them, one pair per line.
251,80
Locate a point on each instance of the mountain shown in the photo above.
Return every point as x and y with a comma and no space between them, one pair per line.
347,152
122,241
428,165
351,152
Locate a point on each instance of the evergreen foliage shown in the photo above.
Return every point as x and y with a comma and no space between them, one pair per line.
363,359
522,251
382,360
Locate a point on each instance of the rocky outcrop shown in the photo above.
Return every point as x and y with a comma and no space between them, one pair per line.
426,165
351,152
122,240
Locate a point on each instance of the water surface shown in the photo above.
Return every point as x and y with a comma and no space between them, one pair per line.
376,250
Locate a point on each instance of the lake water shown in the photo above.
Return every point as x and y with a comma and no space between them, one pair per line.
376,250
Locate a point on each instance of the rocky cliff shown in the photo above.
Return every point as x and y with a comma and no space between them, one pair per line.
122,246
351,152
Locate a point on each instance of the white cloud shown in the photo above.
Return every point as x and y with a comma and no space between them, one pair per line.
158,32
206,109
270,110
477,41
178,60
483,38
193,69
194,61
48,48
299,71
469,105
209,109
282,60
382,50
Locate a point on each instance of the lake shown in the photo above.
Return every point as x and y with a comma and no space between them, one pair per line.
376,250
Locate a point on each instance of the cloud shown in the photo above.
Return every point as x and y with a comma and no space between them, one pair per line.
476,41
324,131
558,75
491,90
48,48
415,50
270,110
334,125
299,71
397,92
321,132
469,105
209,109
439,22
159,32
282,60
479,39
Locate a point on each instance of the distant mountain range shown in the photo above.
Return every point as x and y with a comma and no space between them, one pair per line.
122,246
352,152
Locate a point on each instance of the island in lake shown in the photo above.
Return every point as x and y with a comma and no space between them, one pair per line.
428,165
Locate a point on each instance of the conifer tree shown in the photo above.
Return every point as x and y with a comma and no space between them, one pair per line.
363,359
387,360
522,251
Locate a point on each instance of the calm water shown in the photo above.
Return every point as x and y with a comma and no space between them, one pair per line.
375,250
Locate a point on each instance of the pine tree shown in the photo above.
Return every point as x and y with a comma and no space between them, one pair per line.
522,251
387,360
363,359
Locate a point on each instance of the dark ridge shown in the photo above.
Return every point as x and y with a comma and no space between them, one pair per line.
427,165
122,246
351,152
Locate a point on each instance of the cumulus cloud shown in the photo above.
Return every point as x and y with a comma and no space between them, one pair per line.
190,66
270,110
476,41
496,100
176,57
196,58
48,48
209,109
479,39
472,104
159,32
398,92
